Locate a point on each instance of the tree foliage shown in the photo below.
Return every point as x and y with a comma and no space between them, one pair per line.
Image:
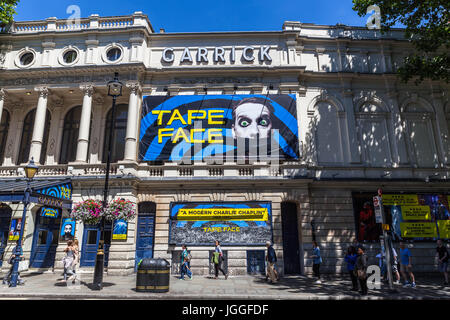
427,27
7,11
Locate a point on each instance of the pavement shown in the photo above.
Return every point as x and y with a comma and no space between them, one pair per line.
49,286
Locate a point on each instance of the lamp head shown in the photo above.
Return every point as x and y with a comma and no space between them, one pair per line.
115,86
31,169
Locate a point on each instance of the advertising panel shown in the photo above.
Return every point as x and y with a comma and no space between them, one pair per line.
120,229
14,229
67,229
236,223
49,212
202,127
411,216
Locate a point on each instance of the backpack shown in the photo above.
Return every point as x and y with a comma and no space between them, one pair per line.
189,257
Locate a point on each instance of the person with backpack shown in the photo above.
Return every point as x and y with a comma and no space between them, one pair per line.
217,259
185,266
442,257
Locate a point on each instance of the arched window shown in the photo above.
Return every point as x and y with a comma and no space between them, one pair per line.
4,126
419,124
119,133
373,134
70,135
325,131
27,134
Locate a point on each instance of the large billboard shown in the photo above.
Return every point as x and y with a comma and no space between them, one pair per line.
416,216
220,127
232,223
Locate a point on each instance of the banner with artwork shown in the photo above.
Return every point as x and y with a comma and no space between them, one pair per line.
120,229
67,231
418,216
201,127
14,229
232,223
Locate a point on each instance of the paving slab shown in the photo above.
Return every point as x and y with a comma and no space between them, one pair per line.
48,285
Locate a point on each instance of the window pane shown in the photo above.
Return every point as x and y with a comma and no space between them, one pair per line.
27,133
55,234
92,237
70,135
4,126
42,239
119,133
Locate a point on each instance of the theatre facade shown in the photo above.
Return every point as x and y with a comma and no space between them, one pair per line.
243,137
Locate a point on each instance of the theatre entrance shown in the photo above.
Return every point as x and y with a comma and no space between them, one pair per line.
291,243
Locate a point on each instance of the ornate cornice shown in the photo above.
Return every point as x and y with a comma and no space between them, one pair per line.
87,88
42,91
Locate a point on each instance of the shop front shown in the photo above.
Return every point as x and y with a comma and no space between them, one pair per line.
44,224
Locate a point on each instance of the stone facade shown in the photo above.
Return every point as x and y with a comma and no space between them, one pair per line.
360,128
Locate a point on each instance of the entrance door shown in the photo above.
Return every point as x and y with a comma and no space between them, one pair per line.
5,220
91,238
45,242
145,232
291,248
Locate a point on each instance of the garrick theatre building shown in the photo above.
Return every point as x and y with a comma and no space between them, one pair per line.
321,105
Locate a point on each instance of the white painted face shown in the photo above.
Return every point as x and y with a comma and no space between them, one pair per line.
250,120
68,228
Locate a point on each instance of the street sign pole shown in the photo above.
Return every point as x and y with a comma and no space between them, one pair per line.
378,204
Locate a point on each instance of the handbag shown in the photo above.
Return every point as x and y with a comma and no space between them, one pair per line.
361,274
23,265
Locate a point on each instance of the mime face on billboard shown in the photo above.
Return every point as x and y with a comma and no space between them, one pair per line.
250,119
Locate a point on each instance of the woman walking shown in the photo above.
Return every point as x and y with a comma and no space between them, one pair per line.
361,270
68,259
350,258
317,261
217,260
76,260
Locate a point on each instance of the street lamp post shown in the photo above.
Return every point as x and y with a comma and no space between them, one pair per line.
114,91
30,170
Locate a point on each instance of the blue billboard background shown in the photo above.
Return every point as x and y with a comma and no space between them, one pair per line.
168,126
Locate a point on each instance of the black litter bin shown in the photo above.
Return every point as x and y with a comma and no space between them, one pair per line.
153,275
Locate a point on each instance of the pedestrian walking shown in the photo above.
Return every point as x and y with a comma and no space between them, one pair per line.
395,266
15,252
350,258
217,259
271,259
68,260
442,257
185,263
361,270
76,261
406,266
317,260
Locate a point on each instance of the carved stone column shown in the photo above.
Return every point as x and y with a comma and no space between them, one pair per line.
132,122
39,125
2,102
85,123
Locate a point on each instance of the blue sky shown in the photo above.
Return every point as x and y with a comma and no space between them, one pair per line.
204,15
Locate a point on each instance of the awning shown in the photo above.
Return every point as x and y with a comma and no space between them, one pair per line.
54,193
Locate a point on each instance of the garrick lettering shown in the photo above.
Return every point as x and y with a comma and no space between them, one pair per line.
217,54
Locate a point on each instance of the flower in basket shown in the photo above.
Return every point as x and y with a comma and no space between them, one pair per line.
120,209
89,211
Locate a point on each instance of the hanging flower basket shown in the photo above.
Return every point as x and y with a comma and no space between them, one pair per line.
89,211
120,210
